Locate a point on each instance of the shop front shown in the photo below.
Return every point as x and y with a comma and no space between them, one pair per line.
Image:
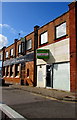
15,69
53,67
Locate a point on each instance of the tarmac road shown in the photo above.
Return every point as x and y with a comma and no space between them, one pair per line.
35,106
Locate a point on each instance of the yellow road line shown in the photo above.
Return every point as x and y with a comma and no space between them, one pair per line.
53,98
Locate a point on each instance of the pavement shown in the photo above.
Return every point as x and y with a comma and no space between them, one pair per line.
50,93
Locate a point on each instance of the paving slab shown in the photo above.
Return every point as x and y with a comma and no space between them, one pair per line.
57,94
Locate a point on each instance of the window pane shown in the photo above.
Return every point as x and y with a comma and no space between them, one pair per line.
61,30
6,54
11,70
1,56
29,44
44,38
19,48
11,52
0,63
7,71
27,72
17,69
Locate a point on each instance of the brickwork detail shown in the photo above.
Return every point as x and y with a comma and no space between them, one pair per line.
29,73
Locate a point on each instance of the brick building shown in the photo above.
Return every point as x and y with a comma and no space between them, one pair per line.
47,57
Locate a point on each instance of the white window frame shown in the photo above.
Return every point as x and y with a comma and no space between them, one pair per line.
44,37
11,52
7,54
61,30
1,55
29,45
19,48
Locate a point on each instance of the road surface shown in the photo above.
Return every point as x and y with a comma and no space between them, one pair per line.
31,105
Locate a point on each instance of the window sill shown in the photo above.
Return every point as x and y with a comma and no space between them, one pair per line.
60,37
11,76
29,50
7,76
17,77
43,44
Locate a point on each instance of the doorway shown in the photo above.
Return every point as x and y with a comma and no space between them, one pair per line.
41,76
49,76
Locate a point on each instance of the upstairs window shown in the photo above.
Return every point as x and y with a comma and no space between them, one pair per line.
28,44
61,30
19,48
1,56
11,52
6,54
44,38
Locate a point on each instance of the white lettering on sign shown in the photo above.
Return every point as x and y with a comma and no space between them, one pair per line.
42,54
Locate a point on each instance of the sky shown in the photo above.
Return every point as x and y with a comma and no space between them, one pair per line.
21,17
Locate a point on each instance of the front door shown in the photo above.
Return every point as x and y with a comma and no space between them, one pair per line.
41,76
49,76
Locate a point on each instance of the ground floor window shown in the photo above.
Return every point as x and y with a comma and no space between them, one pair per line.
55,75
11,70
17,69
27,72
7,71
3,71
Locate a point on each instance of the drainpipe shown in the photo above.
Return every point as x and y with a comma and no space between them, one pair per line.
35,47
15,41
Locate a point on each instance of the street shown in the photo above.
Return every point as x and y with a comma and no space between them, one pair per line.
31,105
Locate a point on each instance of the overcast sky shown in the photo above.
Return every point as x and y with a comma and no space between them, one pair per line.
21,17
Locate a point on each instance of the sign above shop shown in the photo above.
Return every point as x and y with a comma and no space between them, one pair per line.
43,54
25,58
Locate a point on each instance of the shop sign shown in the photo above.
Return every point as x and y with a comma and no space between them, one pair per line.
19,60
43,54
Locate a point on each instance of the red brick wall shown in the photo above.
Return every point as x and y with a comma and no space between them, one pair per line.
12,80
28,37
73,46
8,50
30,66
50,27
